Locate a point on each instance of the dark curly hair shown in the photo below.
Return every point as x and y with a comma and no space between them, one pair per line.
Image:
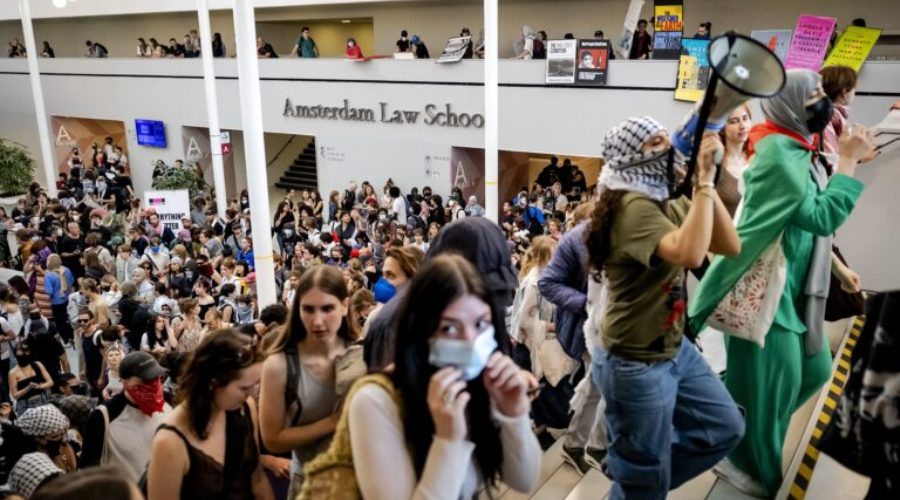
598,233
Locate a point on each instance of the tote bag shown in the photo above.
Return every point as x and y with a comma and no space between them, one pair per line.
748,309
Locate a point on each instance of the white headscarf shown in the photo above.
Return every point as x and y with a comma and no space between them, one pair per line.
627,168
788,109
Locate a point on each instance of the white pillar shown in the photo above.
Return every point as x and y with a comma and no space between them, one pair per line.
38,94
212,110
491,111
254,150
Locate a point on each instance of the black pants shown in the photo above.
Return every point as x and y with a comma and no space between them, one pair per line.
61,319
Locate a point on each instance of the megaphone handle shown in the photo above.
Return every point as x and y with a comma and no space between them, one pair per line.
702,118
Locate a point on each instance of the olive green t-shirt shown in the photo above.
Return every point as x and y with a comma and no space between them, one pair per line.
645,314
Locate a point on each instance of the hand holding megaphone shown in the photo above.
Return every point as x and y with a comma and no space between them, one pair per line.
710,149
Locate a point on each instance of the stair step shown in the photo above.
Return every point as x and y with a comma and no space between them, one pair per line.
300,175
304,163
295,185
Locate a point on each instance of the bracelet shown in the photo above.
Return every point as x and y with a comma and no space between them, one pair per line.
709,184
706,191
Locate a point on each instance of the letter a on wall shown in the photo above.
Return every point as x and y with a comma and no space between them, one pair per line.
63,137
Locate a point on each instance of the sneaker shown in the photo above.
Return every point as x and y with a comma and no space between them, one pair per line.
575,457
546,440
595,457
744,482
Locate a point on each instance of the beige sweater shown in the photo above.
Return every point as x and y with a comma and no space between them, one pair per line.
385,470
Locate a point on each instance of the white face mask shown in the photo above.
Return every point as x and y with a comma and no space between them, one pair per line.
350,44
469,357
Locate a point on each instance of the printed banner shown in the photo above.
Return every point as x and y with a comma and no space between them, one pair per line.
593,62
70,132
778,41
171,206
623,45
668,16
467,172
853,47
693,70
455,49
667,45
561,61
810,42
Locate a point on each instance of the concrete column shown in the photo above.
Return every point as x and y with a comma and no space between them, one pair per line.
254,150
212,110
491,111
38,93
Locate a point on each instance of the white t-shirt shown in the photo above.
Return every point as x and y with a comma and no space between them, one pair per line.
398,207
6,329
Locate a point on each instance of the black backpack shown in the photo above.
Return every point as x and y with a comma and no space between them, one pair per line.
538,51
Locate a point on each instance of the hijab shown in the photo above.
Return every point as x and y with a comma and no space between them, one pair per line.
788,109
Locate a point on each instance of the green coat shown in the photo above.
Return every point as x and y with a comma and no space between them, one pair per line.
781,195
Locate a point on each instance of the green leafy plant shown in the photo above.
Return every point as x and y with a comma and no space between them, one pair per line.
182,178
16,168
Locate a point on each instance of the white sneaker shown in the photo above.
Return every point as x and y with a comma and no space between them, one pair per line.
745,483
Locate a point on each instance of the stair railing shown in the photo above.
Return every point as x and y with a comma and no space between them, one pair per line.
288,143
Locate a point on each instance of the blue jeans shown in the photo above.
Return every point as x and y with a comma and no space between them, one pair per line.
668,421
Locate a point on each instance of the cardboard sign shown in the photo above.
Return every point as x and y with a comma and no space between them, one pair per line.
778,41
853,47
454,50
171,206
693,70
561,61
592,63
810,42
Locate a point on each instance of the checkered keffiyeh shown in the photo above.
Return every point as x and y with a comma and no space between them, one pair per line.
629,169
31,472
42,421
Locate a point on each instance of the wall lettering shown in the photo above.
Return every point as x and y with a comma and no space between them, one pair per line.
433,115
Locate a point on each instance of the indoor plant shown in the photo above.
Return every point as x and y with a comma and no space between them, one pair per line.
16,169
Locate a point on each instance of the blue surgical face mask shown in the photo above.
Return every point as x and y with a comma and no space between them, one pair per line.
154,249
383,290
469,357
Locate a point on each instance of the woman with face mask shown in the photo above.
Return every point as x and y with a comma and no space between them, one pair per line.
353,51
29,381
788,196
207,446
299,404
453,414
669,416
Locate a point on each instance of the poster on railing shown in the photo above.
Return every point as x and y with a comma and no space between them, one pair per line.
454,50
592,62
693,70
853,47
668,24
561,61
623,44
778,41
810,42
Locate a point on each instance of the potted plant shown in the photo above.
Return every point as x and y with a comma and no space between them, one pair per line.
16,169
188,177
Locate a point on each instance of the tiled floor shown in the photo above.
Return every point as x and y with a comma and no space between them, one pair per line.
830,480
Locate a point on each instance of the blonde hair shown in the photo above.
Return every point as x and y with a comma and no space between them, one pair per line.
54,263
538,254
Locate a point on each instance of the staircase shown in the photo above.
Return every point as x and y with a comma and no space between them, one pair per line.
302,174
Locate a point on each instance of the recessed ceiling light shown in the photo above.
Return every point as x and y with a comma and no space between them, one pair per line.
345,21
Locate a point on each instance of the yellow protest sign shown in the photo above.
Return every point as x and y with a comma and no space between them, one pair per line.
853,47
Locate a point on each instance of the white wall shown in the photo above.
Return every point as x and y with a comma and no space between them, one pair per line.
534,118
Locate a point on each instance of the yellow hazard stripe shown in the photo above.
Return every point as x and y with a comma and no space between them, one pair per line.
838,380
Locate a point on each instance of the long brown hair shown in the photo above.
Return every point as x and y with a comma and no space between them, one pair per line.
328,279
216,362
598,234
538,254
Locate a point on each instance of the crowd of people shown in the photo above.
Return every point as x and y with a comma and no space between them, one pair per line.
413,327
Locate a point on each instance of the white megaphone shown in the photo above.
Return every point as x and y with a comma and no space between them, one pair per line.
748,69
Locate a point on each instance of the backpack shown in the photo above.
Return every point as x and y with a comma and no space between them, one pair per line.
331,474
538,51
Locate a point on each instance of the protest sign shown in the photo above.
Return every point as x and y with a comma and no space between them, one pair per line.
592,62
693,70
171,206
455,49
561,61
778,41
810,42
853,47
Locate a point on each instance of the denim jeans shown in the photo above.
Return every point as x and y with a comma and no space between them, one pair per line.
668,421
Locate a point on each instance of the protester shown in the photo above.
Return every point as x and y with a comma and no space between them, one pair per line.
639,244
789,201
305,47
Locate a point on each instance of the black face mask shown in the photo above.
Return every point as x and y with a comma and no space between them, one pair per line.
23,359
35,316
818,115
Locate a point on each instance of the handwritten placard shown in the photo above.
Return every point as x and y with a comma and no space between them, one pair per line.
810,42
853,47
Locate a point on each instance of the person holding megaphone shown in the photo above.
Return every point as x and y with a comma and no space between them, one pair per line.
669,416
777,356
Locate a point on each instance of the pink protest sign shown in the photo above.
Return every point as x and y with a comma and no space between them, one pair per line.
810,42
